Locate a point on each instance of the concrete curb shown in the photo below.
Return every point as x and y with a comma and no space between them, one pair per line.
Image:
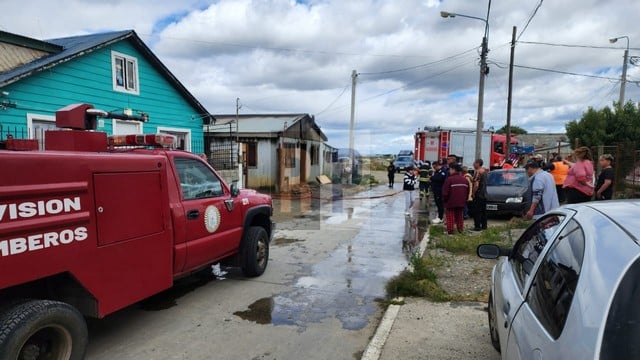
376,344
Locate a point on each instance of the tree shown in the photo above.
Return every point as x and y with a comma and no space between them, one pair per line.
607,126
515,130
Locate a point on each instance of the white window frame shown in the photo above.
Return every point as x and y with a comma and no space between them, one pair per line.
38,117
126,58
114,125
185,131
31,117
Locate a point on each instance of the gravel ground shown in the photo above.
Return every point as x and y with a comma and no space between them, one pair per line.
426,330
465,275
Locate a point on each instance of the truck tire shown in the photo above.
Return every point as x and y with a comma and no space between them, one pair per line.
42,329
255,251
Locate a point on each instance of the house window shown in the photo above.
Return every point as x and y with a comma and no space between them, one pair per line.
124,127
252,154
125,73
38,124
183,136
290,156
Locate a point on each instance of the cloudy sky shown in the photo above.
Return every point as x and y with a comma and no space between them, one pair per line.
415,68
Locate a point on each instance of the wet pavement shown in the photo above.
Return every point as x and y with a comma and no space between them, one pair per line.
350,281
319,296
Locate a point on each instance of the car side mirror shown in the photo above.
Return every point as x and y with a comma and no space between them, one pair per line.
491,251
235,190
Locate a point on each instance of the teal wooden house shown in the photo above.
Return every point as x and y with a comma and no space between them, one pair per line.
113,71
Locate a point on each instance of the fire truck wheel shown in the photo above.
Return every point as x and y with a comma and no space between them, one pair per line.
255,251
43,329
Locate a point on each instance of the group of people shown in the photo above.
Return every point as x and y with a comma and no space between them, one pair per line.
455,191
568,180
458,194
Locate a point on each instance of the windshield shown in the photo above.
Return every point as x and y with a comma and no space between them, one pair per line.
507,178
404,159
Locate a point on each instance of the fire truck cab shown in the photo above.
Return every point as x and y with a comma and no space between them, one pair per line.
93,224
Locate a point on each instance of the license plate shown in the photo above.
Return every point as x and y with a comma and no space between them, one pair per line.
492,207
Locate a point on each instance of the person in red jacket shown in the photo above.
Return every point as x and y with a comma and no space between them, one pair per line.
455,193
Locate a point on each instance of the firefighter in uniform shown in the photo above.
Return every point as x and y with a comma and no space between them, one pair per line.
425,179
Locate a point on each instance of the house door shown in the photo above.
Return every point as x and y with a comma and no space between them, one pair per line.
303,163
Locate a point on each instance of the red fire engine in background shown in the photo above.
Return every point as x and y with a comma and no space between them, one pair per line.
93,224
438,143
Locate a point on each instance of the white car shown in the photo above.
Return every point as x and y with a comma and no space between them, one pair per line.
570,287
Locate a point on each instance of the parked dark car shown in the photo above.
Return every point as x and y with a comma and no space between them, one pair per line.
569,287
507,191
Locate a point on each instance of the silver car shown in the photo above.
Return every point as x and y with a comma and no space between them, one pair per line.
570,286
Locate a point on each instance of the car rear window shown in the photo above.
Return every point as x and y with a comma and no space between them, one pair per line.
621,338
507,178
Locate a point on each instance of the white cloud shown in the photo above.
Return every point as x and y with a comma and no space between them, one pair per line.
288,56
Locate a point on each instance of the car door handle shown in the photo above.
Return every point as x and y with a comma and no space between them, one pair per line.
193,214
506,307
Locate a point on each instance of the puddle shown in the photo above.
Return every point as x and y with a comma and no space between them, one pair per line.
259,312
415,227
281,241
168,298
349,283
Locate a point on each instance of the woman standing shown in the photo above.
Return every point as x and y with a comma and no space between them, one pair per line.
578,185
604,186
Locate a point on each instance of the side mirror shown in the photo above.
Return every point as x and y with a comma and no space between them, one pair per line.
491,251
235,190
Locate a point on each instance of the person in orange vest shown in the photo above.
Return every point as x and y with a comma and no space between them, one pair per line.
559,170
508,164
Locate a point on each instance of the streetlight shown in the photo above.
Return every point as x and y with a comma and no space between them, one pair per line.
483,72
624,68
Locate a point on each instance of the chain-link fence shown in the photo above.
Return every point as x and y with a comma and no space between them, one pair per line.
626,166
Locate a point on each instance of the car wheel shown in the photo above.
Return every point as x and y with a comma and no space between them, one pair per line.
42,329
255,251
493,330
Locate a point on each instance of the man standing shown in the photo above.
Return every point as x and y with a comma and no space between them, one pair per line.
542,188
391,173
437,181
455,193
604,186
409,186
479,196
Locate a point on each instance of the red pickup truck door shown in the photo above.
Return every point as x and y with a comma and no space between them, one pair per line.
213,221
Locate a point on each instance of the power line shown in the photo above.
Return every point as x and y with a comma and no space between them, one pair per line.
533,14
334,101
560,71
419,65
455,67
575,46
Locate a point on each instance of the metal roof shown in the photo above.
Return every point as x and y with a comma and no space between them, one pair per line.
270,124
71,47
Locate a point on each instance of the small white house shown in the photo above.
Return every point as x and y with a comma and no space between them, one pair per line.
278,150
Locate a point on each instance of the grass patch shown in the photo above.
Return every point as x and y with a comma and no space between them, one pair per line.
367,179
468,242
422,281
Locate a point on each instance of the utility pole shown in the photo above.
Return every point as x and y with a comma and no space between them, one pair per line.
354,76
623,84
483,73
623,79
240,165
507,151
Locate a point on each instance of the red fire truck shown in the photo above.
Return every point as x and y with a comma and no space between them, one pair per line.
439,143
93,224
